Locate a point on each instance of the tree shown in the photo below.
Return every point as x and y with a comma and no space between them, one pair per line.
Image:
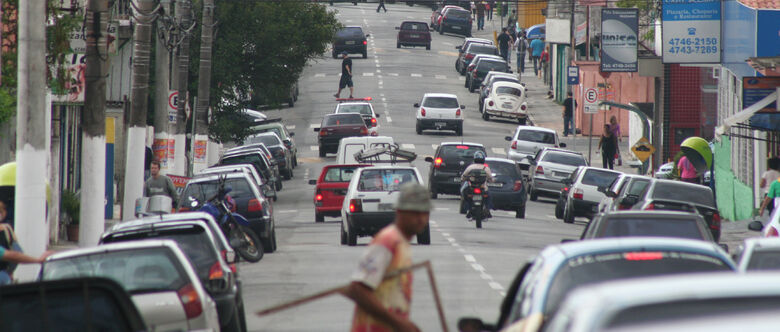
259,53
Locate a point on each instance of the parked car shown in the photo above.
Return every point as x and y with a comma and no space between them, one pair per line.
455,20
69,305
369,204
266,189
436,16
279,151
550,167
680,196
277,127
366,110
648,223
440,111
490,78
473,49
508,188
541,285
334,127
624,186
481,67
506,100
197,241
665,171
331,186
413,33
257,158
250,203
473,64
760,254
157,275
696,302
447,165
584,196
350,39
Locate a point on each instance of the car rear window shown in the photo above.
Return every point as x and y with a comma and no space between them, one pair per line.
564,158
138,271
496,79
700,195
343,119
440,102
274,130
507,90
599,178
339,174
695,312
385,179
414,26
457,13
360,109
268,140
637,187
536,136
589,269
764,259
350,33
479,48
662,226
489,64
253,159
456,153
207,189
504,168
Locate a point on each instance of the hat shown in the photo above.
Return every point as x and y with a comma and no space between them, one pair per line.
414,197
344,53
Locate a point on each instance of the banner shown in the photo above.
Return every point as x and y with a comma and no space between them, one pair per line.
200,151
179,182
619,42
691,31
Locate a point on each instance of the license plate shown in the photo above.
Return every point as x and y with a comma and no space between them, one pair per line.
477,203
456,27
560,174
414,36
456,180
495,184
350,42
440,124
385,206
506,105
477,198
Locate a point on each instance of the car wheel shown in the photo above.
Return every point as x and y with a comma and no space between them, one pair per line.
466,84
441,30
351,237
242,316
534,195
520,213
471,86
522,121
335,55
319,217
425,236
434,193
287,175
343,234
365,54
418,128
268,243
568,215
295,161
428,47
485,115
397,45
273,239
457,66
322,152
559,210
279,185
234,325
291,102
459,131
462,208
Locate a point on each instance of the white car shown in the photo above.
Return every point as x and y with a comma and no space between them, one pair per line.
583,197
506,100
369,204
528,140
439,111
760,254
156,273
625,185
366,110
665,171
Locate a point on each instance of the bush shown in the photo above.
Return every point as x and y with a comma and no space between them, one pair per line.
71,205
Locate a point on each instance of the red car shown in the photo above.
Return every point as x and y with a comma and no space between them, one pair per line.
331,188
413,33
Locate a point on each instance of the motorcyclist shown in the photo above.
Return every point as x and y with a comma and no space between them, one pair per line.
478,165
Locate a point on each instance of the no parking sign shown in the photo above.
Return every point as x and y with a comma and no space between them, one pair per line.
591,96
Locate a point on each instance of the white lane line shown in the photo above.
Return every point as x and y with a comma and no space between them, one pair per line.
314,148
393,74
416,75
486,276
376,60
448,44
432,222
368,74
389,119
470,258
503,293
383,98
446,234
319,75
290,127
456,245
381,82
435,146
411,146
461,250
441,77
286,211
378,66
381,94
550,216
477,267
450,239
306,174
498,151
496,285
379,71
314,125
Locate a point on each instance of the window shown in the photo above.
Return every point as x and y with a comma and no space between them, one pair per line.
457,13
482,49
385,179
452,154
492,65
506,90
360,109
699,195
504,168
765,259
664,227
343,119
599,178
536,136
274,130
637,187
354,32
564,158
339,174
268,140
202,191
440,102
414,26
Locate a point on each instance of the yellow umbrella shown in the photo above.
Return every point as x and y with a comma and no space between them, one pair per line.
8,174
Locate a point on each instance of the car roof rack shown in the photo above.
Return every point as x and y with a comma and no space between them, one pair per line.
341,100
372,156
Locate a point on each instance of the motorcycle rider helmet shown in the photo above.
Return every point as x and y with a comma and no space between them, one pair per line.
479,157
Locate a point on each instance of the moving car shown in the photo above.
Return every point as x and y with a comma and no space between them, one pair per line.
696,302
542,284
508,188
680,196
331,186
760,254
439,111
648,223
279,152
369,204
584,196
550,168
473,49
625,185
481,67
506,100
528,140
277,127
157,275
366,110
334,127
413,33
455,20
447,165
350,39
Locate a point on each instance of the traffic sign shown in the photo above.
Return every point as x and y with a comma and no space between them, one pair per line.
173,102
591,100
573,75
643,149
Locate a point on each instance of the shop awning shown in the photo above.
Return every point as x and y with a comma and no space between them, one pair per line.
745,114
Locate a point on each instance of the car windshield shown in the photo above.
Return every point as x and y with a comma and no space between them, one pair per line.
253,159
590,269
764,259
659,226
440,102
570,159
637,187
414,26
453,154
489,64
207,189
508,90
536,136
138,270
385,179
339,174
362,109
457,13
599,178
479,48
700,195
268,140
343,119
502,168
350,33
497,78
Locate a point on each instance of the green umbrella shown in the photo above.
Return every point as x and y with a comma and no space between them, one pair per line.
698,152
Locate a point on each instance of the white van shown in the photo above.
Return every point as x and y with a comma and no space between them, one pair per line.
348,146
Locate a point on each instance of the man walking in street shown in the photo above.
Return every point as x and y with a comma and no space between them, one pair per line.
504,40
159,184
490,5
384,304
481,15
521,45
568,111
381,5
346,75
537,46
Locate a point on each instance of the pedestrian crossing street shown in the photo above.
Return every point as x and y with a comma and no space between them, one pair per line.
379,74
423,149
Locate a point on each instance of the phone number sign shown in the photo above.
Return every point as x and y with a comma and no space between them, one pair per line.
691,31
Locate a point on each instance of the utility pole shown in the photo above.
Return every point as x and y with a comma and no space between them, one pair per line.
162,69
183,18
136,134
31,154
200,134
93,126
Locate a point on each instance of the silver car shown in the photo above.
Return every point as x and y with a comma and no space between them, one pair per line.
549,169
160,279
528,140
760,254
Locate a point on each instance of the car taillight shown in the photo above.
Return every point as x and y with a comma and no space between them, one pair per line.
438,162
490,103
373,122
355,205
518,185
457,113
364,131
477,191
318,197
514,145
715,221
650,206
323,132
522,107
623,207
184,209
365,42
577,194
422,112
539,170
190,300
215,272
469,56
643,256
254,206
232,265
772,232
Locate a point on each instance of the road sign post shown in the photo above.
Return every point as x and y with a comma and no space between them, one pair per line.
573,75
591,107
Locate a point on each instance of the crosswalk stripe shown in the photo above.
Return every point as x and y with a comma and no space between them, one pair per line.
498,150
290,127
416,75
441,77
314,125
407,146
314,148
368,74
393,74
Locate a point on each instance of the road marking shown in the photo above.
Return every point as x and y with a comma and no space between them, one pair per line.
314,125
379,71
314,148
376,60
503,293
286,211
381,82
498,150
290,127
550,216
435,146
477,267
319,75
470,258
416,75
455,54
461,250
306,175
433,222
411,146
448,44
485,276
382,95
404,51
393,74
368,74
383,98
496,285
378,66
389,119
446,234
450,239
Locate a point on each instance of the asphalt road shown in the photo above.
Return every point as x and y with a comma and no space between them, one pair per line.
472,266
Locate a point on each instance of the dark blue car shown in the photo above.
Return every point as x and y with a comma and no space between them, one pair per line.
508,188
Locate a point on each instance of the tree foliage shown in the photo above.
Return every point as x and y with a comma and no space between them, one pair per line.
260,51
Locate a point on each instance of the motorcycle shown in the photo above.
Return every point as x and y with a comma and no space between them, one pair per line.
233,225
477,197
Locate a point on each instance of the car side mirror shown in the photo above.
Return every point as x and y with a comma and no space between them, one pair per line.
508,138
368,35
313,182
398,28
416,105
378,115
429,159
456,47
467,324
463,107
628,201
610,194
316,129
563,145
756,225
268,192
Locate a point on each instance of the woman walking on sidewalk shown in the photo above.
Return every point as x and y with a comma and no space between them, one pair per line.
607,145
615,128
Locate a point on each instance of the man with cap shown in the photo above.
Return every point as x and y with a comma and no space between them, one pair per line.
384,305
346,75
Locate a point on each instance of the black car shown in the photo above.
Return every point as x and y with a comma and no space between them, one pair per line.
481,69
465,4
279,152
508,188
258,159
472,50
447,165
334,127
352,40
455,20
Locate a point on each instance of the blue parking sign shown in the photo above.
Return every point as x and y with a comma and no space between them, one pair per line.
573,75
